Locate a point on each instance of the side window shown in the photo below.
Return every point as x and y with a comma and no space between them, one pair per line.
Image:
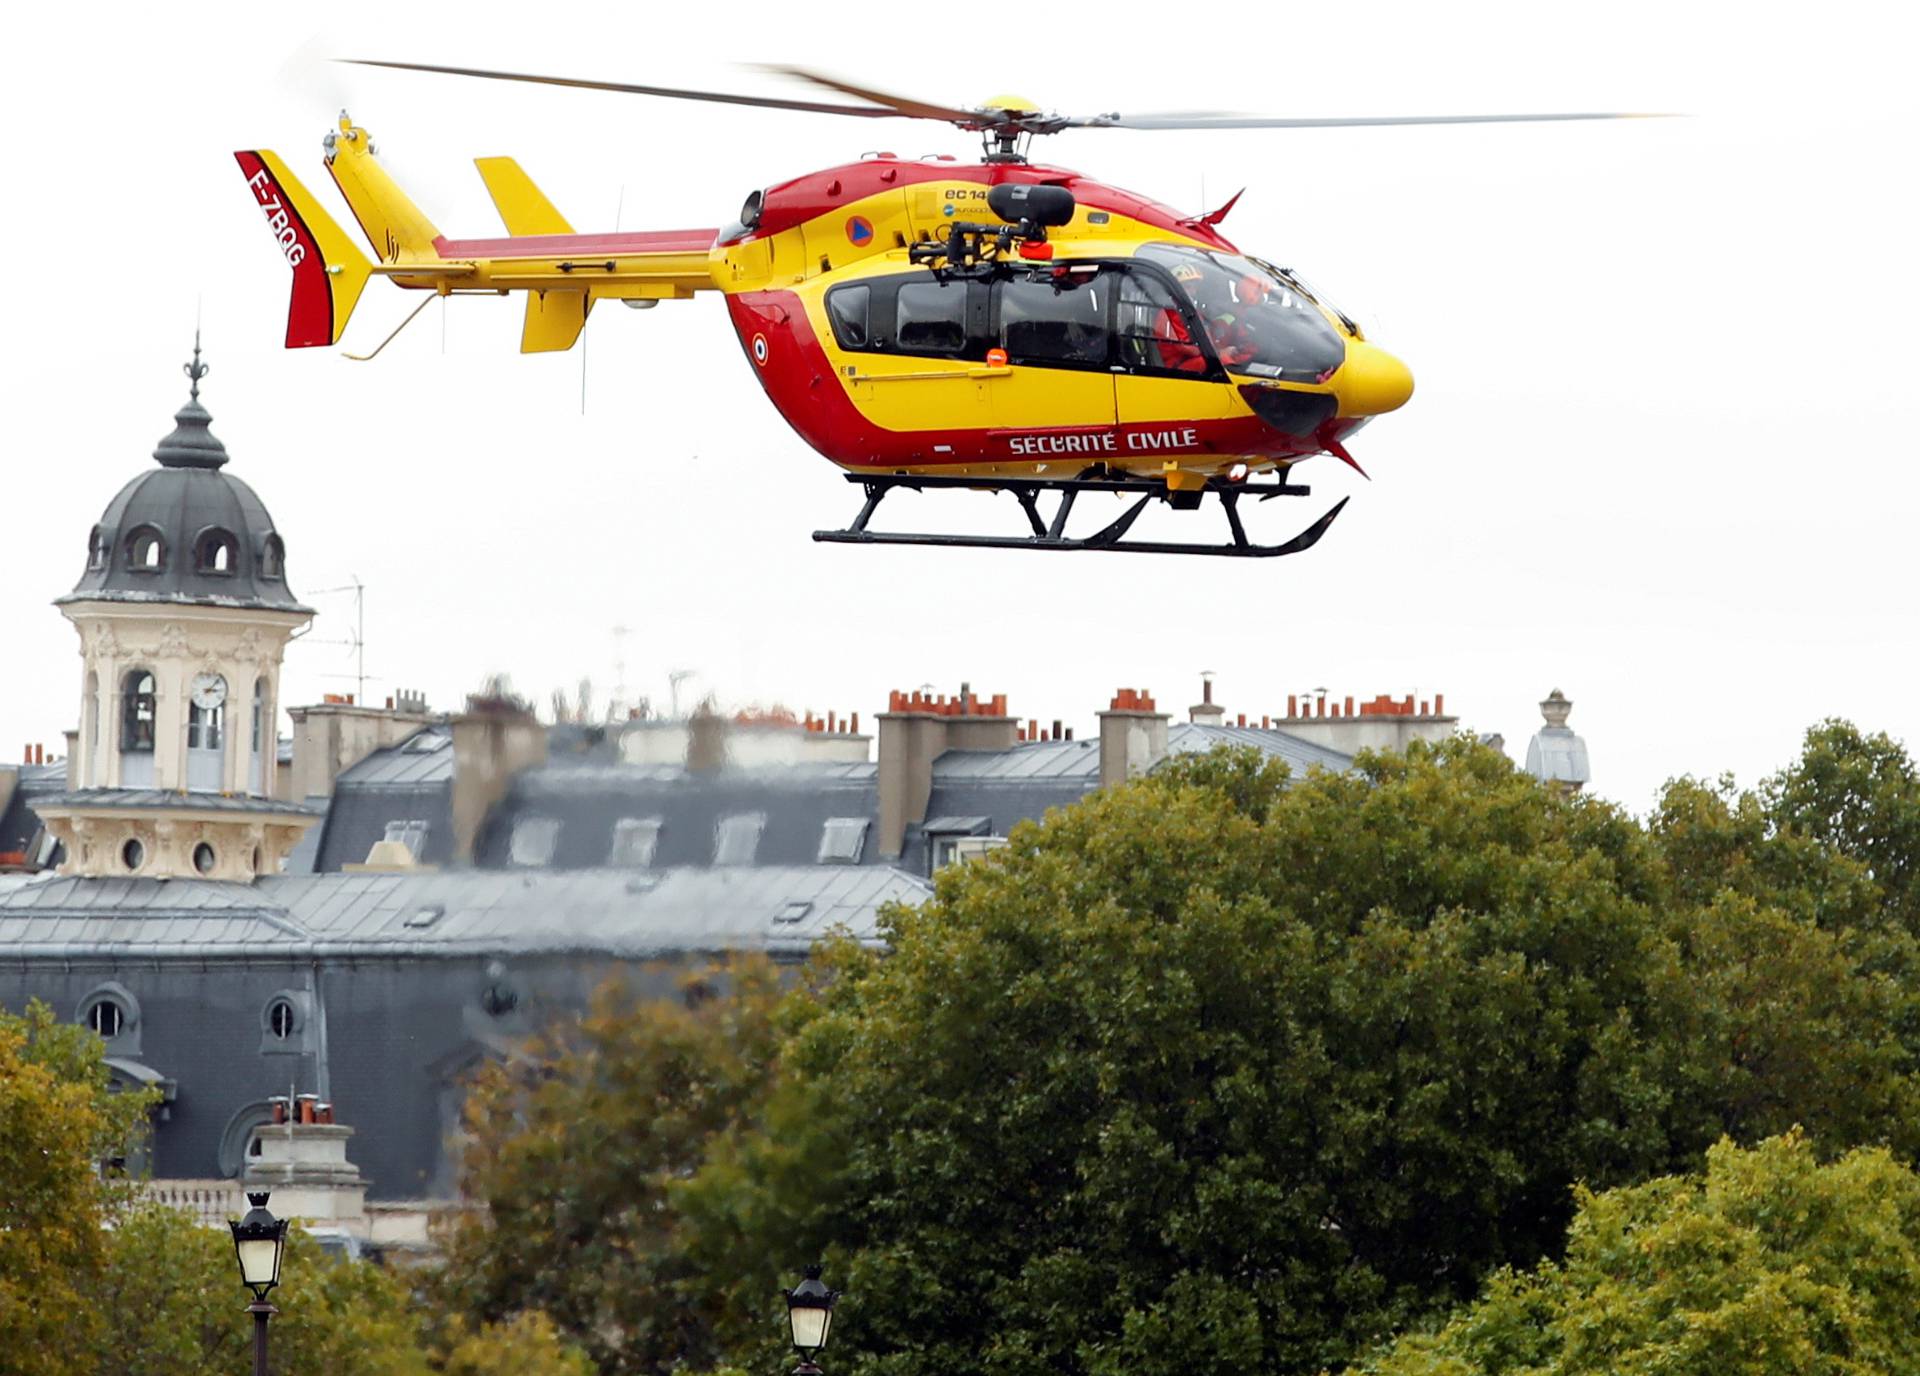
847,308
1054,319
931,318
1154,332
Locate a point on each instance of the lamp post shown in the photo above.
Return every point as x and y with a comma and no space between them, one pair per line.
810,1317
258,1240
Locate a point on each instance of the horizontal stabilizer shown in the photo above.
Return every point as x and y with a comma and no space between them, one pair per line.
328,271
523,207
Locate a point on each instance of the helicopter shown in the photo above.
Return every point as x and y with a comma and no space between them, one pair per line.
925,323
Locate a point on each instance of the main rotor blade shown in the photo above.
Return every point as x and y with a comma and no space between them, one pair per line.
670,92
1200,121
900,105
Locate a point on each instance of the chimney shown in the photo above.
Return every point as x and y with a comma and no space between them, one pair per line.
493,740
1133,737
1206,712
334,734
915,730
706,740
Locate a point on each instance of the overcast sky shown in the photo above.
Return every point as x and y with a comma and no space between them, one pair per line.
1661,454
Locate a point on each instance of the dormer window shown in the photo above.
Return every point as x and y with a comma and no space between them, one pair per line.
97,551
737,838
215,551
273,558
146,549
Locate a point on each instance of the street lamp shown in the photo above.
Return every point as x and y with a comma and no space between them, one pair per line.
810,1317
258,1240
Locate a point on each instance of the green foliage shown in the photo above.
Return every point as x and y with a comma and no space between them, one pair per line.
174,1306
575,1149
1220,1068
58,1119
528,1345
1772,1264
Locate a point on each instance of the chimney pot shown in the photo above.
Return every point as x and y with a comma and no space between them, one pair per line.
1056,728
1069,733
1349,705
1439,705
1423,707
1242,719
1323,704
1293,707
1265,724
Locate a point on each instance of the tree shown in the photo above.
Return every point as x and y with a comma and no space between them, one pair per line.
58,1120
574,1149
1771,1264
1214,1069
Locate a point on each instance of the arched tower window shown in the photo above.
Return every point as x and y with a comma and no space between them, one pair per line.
90,730
263,744
216,551
273,558
136,710
146,549
97,550
206,733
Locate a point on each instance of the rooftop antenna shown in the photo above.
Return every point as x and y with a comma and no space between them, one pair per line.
357,641
675,677
620,634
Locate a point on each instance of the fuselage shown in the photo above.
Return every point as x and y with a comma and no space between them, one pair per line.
1142,342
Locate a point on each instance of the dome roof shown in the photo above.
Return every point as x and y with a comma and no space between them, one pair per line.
186,531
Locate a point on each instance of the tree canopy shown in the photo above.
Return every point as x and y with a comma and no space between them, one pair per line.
1769,1264
1221,1067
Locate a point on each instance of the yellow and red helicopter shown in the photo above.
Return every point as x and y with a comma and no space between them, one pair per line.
925,323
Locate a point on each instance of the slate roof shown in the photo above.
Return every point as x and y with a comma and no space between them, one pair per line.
778,909
589,800
18,822
183,497
173,798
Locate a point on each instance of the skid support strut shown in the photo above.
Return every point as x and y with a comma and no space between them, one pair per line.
1053,534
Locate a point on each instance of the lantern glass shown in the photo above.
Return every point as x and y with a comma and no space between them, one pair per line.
259,1262
258,1240
810,1312
810,1326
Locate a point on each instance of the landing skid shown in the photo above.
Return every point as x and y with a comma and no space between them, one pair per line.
1052,534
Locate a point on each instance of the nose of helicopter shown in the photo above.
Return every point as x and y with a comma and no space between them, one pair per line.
1371,382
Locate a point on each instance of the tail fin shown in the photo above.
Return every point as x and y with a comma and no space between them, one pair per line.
523,207
328,271
393,224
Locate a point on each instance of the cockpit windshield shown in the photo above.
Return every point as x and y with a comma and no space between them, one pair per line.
1259,321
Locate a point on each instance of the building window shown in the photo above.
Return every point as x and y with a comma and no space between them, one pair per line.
113,1014
216,551
273,558
133,855
146,549
96,550
106,1018
411,833
136,710
842,840
737,838
283,1018
634,841
203,858
533,840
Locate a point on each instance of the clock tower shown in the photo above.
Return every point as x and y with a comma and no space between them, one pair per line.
183,613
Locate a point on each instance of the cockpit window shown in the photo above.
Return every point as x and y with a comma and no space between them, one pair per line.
1259,322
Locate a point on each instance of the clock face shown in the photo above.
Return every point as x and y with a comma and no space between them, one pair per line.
208,691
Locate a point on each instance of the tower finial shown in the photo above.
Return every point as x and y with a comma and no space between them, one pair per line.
196,369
